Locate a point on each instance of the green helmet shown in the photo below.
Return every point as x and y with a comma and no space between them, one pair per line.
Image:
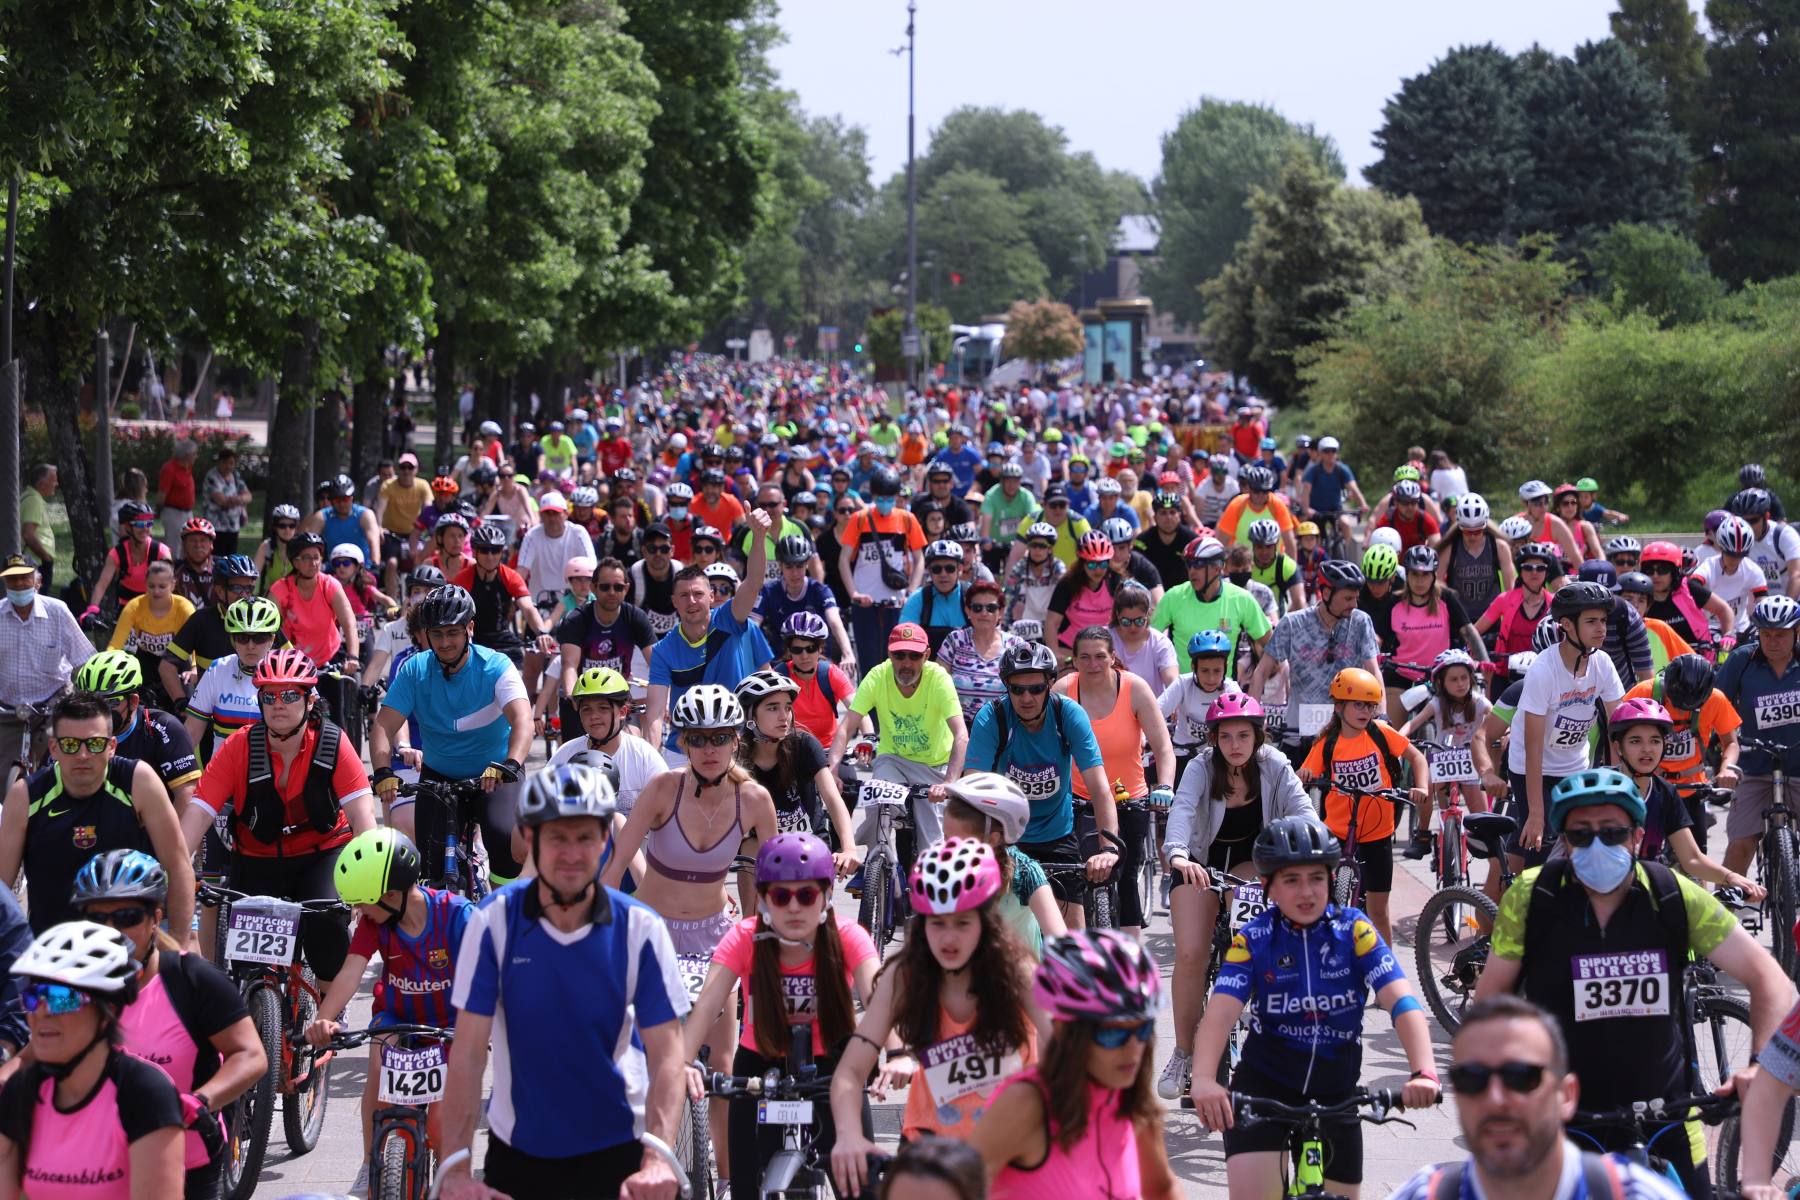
254,614
1406,471
374,863
1380,563
600,681
110,673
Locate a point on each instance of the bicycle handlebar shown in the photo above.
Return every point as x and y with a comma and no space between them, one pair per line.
1640,1114
212,895
775,1085
1224,881
350,1039
452,788
1251,1109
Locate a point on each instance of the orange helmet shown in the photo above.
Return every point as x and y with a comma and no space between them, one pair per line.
1354,683
444,485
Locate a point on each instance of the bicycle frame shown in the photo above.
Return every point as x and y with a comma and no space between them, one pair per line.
453,799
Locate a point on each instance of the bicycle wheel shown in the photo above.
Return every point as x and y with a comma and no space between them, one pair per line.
391,1174
303,1110
872,912
1450,950
254,1111
1102,912
1783,903
1449,853
699,1149
1343,885
1723,1039
1728,1148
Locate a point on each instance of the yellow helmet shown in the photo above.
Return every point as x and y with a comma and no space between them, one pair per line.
1306,529
601,681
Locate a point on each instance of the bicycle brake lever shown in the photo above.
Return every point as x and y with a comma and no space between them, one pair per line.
1389,1120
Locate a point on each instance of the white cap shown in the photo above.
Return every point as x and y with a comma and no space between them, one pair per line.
554,501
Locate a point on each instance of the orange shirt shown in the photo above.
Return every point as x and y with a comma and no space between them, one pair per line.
1239,512
977,1082
1687,744
912,449
1355,759
721,516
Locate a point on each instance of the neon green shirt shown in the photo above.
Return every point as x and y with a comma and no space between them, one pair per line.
1181,615
1709,923
916,727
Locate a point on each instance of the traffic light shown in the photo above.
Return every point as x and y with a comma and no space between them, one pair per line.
857,347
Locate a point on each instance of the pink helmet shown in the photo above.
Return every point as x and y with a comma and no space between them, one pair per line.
1235,706
956,875
1098,975
1639,710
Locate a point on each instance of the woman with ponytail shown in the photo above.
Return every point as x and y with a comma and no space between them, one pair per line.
792,765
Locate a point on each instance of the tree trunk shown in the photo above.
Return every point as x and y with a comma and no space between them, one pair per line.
444,390
368,418
328,435
57,389
290,470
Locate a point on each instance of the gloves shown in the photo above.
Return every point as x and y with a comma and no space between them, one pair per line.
386,783
196,1115
508,771
1162,796
89,615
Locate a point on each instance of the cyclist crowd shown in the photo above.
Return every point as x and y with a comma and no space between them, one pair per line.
991,663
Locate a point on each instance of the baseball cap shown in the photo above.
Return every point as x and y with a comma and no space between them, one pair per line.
554,500
409,460
17,564
906,636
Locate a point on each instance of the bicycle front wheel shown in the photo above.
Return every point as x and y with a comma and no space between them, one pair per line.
1102,911
1784,1164
254,1111
303,1109
391,1174
1450,950
872,913
1783,903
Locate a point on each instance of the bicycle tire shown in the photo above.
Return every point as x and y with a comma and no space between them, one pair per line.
1343,885
303,1110
1729,1147
391,1174
872,911
1102,913
1784,895
1448,970
255,1109
699,1170
1449,852
1723,1038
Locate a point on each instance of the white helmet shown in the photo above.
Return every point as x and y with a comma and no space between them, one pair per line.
678,441
571,790
348,550
722,570
490,429
1388,536
1520,661
584,497
758,685
994,796
1514,528
81,954
707,706
1472,511
1327,443
1533,489
1263,532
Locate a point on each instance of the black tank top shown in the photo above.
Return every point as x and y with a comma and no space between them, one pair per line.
1475,578
62,832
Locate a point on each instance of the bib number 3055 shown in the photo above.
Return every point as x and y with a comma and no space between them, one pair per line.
412,1076
263,931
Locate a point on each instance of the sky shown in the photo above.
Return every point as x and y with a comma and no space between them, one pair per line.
1116,78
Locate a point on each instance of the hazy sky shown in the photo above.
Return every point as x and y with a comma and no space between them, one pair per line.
1115,75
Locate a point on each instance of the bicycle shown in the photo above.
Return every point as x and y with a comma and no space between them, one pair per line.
1099,898
259,943
33,720
463,867
1641,1117
785,1098
1449,968
881,890
1306,1123
1346,877
1779,859
412,1068
1240,901
693,1139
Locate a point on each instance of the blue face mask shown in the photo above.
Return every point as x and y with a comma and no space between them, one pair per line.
884,505
22,599
1601,867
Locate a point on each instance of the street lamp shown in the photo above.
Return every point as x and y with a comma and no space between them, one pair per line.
909,337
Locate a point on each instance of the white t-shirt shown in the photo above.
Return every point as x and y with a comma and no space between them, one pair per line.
1184,701
543,558
1741,588
1150,660
392,638
1210,500
1774,550
1569,705
637,760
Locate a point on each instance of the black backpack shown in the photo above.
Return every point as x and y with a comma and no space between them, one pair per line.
998,708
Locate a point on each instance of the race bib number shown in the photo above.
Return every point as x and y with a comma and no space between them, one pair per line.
1453,764
1631,984
883,793
1005,529
412,1076
1778,709
956,1067
1031,631
1313,717
798,993
1680,745
693,969
1275,715
1362,773
1247,903
1038,783
784,1112
1569,731
661,623
264,931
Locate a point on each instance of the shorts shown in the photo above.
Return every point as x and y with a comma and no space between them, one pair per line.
578,1177
1377,861
701,937
1342,1136
495,819
1744,819
1516,809
1062,851
394,546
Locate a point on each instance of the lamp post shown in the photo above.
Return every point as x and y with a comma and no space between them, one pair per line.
909,338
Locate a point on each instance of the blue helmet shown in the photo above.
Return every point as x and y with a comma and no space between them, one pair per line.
120,875
1209,643
233,566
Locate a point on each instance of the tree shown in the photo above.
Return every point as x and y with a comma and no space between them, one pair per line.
1665,36
976,235
1751,226
882,336
1655,271
1214,158
1315,248
1043,331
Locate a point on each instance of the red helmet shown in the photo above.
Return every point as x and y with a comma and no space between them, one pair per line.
199,525
1663,552
286,666
1094,546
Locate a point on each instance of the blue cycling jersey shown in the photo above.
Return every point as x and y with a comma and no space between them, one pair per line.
1306,987
1769,706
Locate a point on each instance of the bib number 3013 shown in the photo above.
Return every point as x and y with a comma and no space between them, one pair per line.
412,1076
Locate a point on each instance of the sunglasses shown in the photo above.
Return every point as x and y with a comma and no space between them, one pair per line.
770,503
240,589
124,918
1625,560
664,548
1534,566
724,589
1133,622
846,512
1611,835
490,550
152,524
803,647
609,587
55,998
344,562
93,745
697,741
1057,504
255,639
946,568
1111,1037
284,696
1471,1079
805,897
984,608
1027,689
1658,569
906,655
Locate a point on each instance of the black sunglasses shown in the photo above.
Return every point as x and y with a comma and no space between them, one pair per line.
984,608
1471,1079
1027,689
1611,835
803,647
124,918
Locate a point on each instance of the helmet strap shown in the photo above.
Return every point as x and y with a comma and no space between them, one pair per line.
399,914
715,781
62,1070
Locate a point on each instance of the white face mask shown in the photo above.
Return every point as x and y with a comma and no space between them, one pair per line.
22,599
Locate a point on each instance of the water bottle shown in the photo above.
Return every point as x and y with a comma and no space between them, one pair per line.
450,849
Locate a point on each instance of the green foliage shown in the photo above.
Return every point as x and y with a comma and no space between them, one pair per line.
1496,147
1751,226
1652,270
1215,157
1043,332
882,336
1665,36
1315,248
975,229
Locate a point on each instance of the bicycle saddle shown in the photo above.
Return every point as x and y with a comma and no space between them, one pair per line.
1487,833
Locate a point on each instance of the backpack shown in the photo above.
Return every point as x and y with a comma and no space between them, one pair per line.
1388,758
1599,1172
1665,898
998,708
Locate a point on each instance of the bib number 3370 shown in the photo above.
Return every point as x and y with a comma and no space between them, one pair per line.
1630,984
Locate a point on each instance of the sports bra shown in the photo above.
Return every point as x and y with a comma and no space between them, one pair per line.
671,854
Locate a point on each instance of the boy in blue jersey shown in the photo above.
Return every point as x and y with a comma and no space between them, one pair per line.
416,931
1309,965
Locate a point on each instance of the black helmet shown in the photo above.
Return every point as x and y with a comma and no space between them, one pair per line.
885,482
1751,503
343,485
1421,558
1688,681
1573,599
447,606
1636,583
1335,573
425,576
1751,475
134,510
1028,656
1295,842
1598,570
483,474
301,541
488,537
794,549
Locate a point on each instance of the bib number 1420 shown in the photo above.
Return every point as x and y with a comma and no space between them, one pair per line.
412,1076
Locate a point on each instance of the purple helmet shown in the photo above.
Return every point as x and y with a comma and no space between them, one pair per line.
1714,519
1098,975
794,858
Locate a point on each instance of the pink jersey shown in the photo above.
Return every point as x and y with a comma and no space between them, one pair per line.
85,1154
734,954
154,1032
1103,1163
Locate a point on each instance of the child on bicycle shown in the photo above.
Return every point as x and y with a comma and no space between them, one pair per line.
416,930
1309,965
1349,744
1186,701
959,998
1458,710
990,808
795,960
1085,1122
